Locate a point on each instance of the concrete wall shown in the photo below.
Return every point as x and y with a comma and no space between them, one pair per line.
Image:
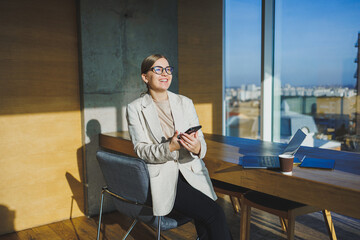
115,37
46,124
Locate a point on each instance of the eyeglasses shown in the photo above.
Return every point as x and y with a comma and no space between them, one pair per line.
159,70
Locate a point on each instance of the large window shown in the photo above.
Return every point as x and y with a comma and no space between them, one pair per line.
314,76
242,67
315,63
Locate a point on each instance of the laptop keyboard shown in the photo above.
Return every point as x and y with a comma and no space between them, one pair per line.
268,161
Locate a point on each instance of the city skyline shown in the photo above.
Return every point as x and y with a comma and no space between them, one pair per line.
253,91
314,42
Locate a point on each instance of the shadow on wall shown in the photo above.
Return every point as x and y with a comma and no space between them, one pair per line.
78,188
7,218
86,192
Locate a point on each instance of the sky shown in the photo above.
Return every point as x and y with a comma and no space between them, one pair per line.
314,42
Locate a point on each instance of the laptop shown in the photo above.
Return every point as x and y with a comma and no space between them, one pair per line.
268,162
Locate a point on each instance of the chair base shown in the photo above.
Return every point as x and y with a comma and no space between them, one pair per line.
158,235
129,230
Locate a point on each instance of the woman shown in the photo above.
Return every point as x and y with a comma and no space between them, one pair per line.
179,179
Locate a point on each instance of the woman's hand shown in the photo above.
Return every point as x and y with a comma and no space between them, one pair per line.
174,142
191,142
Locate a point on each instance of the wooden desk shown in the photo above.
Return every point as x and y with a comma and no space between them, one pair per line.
336,190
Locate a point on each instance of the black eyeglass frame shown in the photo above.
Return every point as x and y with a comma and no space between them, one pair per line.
169,72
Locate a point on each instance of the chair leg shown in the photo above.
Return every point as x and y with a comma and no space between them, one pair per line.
329,224
130,228
159,228
235,204
101,208
240,200
283,224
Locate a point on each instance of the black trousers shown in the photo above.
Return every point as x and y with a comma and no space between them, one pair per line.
209,217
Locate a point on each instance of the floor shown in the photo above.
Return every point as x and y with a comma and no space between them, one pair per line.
263,226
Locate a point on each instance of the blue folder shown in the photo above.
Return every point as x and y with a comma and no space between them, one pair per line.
309,162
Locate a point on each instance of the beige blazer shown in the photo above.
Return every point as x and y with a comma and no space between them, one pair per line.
151,146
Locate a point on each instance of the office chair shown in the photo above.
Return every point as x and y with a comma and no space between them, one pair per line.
284,209
128,182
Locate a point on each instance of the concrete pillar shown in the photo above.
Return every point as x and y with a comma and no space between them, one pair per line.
115,37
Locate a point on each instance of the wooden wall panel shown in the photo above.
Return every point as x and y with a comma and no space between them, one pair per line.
200,59
40,117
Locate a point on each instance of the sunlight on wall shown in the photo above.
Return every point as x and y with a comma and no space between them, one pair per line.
106,118
124,125
205,114
41,167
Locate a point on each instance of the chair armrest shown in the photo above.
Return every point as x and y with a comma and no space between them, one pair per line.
105,189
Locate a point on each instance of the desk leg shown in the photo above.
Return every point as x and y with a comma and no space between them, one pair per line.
245,222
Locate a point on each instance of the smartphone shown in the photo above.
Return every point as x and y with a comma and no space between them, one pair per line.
191,130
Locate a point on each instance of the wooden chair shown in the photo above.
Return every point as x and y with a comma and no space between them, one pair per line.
284,209
235,193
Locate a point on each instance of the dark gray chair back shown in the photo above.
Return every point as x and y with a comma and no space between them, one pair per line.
128,177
